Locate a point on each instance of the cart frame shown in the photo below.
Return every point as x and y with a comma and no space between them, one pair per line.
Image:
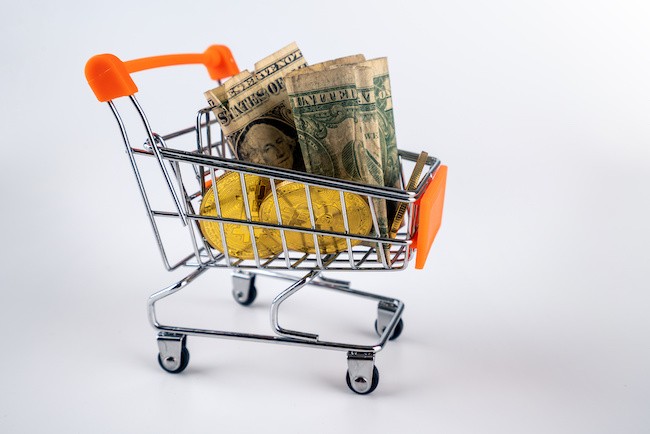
189,173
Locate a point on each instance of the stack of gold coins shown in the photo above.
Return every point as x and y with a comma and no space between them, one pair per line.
231,201
328,216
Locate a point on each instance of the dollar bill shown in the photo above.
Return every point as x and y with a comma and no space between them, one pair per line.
386,124
384,104
254,112
217,97
384,113
385,119
347,60
335,114
370,133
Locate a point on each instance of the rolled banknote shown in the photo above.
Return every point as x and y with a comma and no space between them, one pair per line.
384,103
384,113
254,112
335,115
388,143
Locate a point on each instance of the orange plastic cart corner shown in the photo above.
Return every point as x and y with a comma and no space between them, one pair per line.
430,218
108,77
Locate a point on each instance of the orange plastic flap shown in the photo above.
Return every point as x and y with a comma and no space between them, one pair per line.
430,217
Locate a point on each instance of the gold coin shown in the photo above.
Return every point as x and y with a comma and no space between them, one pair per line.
231,200
328,216
413,182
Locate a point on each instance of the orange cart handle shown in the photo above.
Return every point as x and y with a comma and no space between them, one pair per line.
430,215
110,78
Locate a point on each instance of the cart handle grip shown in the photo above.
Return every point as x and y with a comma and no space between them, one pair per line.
430,215
110,78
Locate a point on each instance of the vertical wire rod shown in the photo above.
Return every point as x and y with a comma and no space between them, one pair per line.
277,212
247,209
143,192
346,225
161,163
380,246
312,220
217,203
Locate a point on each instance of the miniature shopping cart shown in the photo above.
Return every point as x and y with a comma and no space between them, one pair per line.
188,163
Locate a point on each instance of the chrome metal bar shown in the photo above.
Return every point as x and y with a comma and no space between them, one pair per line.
280,298
346,225
138,178
247,209
396,256
401,173
182,262
169,291
159,157
206,245
364,258
300,260
312,221
208,133
283,238
186,130
337,346
334,282
375,224
164,214
217,202
270,260
292,175
198,169
222,142
176,170
223,145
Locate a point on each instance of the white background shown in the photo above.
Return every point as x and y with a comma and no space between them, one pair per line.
530,317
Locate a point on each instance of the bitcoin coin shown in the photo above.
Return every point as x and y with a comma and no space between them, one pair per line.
231,200
328,216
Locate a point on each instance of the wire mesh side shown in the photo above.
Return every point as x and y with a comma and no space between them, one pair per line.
211,159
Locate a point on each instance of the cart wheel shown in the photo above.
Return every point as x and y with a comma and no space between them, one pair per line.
185,360
396,331
360,382
243,288
245,299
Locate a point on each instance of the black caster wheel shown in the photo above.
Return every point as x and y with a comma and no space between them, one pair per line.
185,360
396,331
359,385
243,288
246,300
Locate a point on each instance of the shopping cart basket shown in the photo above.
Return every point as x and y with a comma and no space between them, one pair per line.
191,167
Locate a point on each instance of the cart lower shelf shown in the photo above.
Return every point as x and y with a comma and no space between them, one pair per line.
362,376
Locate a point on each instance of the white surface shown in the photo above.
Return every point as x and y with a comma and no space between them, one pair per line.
532,313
